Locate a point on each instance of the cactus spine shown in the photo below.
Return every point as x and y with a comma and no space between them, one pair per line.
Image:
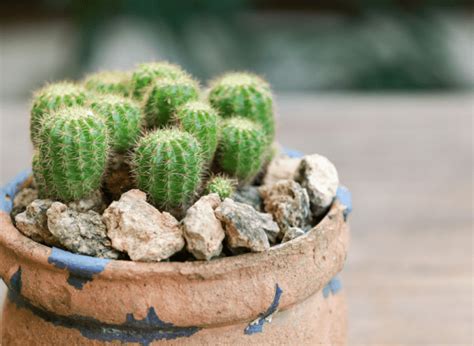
200,120
109,82
123,118
165,96
72,153
168,166
145,74
241,149
245,95
222,185
50,98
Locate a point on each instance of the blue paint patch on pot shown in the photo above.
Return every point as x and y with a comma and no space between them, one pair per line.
257,325
293,153
345,197
81,268
144,332
8,192
333,286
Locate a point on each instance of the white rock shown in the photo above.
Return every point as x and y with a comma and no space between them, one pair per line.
319,177
92,202
33,222
22,199
202,230
281,168
82,233
292,233
136,227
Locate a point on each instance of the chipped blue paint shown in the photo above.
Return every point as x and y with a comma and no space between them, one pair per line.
257,325
81,268
293,153
333,286
345,197
133,330
8,192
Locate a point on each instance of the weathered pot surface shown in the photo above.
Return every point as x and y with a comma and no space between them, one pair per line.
56,297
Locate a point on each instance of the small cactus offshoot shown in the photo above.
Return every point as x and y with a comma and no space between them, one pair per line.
145,74
109,82
168,166
241,149
72,153
123,117
165,96
223,186
244,95
200,120
50,98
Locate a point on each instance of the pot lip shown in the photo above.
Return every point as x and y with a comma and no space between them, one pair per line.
27,249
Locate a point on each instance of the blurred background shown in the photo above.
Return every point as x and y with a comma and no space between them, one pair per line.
383,88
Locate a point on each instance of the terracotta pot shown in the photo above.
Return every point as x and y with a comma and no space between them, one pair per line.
280,296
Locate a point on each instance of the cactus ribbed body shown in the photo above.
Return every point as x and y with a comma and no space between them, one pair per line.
52,97
109,82
242,148
165,96
244,95
72,153
200,120
223,186
123,117
168,166
145,74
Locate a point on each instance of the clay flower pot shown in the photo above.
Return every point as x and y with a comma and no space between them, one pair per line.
281,296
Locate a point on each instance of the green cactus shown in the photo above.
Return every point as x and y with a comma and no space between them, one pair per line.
168,166
72,153
165,96
50,98
145,74
241,149
123,118
200,120
109,82
245,95
222,185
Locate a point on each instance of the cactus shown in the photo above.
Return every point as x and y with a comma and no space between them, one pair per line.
123,118
72,153
200,120
109,82
222,185
165,96
241,149
50,98
145,74
168,166
245,95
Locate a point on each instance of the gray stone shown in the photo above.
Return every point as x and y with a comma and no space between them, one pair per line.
138,228
95,202
33,222
288,202
292,233
281,168
22,199
249,195
245,227
319,177
202,230
82,233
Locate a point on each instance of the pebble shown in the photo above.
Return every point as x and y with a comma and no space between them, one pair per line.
141,230
281,168
292,233
245,227
319,177
249,195
94,201
33,222
22,199
202,230
82,233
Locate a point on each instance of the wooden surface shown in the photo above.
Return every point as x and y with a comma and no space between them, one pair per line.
408,162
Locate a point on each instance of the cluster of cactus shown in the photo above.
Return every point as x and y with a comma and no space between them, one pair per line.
181,142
